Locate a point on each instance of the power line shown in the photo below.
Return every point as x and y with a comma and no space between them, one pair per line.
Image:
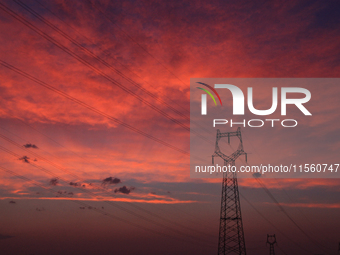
134,129
107,64
99,187
288,216
272,224
286,213
301,212
97,210
296,225
67,24
85,62
101,199
281,208
281,249
85,160
133,40
126,67
86,50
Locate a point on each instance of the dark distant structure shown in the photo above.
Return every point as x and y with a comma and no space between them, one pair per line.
231,235
271,240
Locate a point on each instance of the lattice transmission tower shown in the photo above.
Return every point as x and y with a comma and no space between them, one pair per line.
231,235
271,240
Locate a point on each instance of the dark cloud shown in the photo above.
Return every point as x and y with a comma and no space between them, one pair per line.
29,145
257,175
5,237
54,181
124,190
25,159
111,180
89,207
12,202
75,184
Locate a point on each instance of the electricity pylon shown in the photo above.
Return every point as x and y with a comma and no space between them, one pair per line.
271,240
231,235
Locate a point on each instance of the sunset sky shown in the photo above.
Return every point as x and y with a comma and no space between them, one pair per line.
95,119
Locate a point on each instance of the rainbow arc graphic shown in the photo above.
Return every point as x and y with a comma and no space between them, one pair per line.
209,93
